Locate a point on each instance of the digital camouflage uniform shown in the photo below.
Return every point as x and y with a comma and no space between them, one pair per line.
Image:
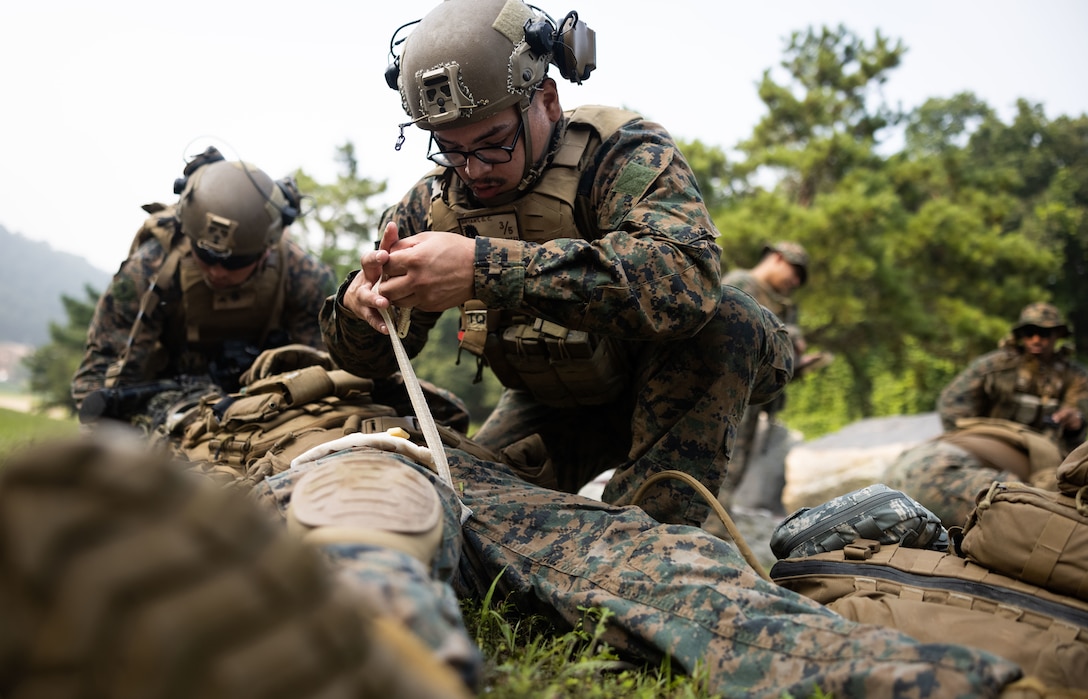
990,387
160,349
675,591
643,269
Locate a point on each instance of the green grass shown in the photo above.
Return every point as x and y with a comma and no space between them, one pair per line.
525,657
19,429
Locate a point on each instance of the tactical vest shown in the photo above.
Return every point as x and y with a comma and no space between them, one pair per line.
212,316
205,318
1026,391
559,366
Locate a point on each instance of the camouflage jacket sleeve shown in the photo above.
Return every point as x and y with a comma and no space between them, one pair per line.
650,269
114,317
1075,394
309,282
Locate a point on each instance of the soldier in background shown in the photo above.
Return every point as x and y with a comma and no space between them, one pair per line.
582,257
1028,379
209,282
1012,415
782,269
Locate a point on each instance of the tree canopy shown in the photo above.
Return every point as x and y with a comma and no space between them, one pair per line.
922,257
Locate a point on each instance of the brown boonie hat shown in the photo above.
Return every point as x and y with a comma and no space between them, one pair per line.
1042,315
792,253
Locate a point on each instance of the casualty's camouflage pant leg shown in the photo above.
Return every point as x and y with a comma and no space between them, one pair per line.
943,477
681,592
396,582
682,412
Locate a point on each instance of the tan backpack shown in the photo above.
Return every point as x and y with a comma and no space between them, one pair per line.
940,597
292,401
1035,534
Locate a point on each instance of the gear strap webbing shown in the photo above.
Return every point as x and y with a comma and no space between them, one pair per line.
419,403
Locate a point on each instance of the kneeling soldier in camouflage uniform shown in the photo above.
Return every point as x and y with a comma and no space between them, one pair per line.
581,255
210,282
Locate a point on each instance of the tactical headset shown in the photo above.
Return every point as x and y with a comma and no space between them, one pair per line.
285,197
573,46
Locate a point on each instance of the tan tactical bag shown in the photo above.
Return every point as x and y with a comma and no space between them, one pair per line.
247,436
940,597
1032,534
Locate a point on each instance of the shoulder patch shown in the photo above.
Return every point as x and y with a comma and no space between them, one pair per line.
634,179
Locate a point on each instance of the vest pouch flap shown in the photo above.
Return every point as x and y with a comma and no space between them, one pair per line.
527,355
247,409
296,387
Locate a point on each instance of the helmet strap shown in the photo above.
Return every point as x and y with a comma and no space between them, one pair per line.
529,172
534,169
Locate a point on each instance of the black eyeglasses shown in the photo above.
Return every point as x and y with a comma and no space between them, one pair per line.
492,155
228,262
1033,330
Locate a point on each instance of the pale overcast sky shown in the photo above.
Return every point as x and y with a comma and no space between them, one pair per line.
102,101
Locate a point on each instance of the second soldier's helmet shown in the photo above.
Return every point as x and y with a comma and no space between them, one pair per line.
1041,315
468,60
234,209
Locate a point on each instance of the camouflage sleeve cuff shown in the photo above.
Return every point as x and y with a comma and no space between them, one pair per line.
499,274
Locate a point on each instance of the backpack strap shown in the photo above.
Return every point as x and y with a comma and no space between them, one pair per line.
160,282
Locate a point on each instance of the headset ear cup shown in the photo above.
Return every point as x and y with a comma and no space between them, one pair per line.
540,35
392,74
292,200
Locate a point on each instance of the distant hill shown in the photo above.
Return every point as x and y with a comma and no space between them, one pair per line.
33,276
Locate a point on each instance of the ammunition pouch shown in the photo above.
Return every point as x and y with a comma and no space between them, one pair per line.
560,367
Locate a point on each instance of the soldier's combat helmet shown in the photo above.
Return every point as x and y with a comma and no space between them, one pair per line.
793,253
1041,315
468,60
233,209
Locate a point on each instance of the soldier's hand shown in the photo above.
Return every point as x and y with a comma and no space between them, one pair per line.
1070,419
360,297
431,271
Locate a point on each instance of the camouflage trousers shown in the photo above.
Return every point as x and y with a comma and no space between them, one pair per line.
943,477
681,411
674,591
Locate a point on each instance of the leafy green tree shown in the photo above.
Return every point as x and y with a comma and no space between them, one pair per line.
915,266
1042,166
53,365
340,222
